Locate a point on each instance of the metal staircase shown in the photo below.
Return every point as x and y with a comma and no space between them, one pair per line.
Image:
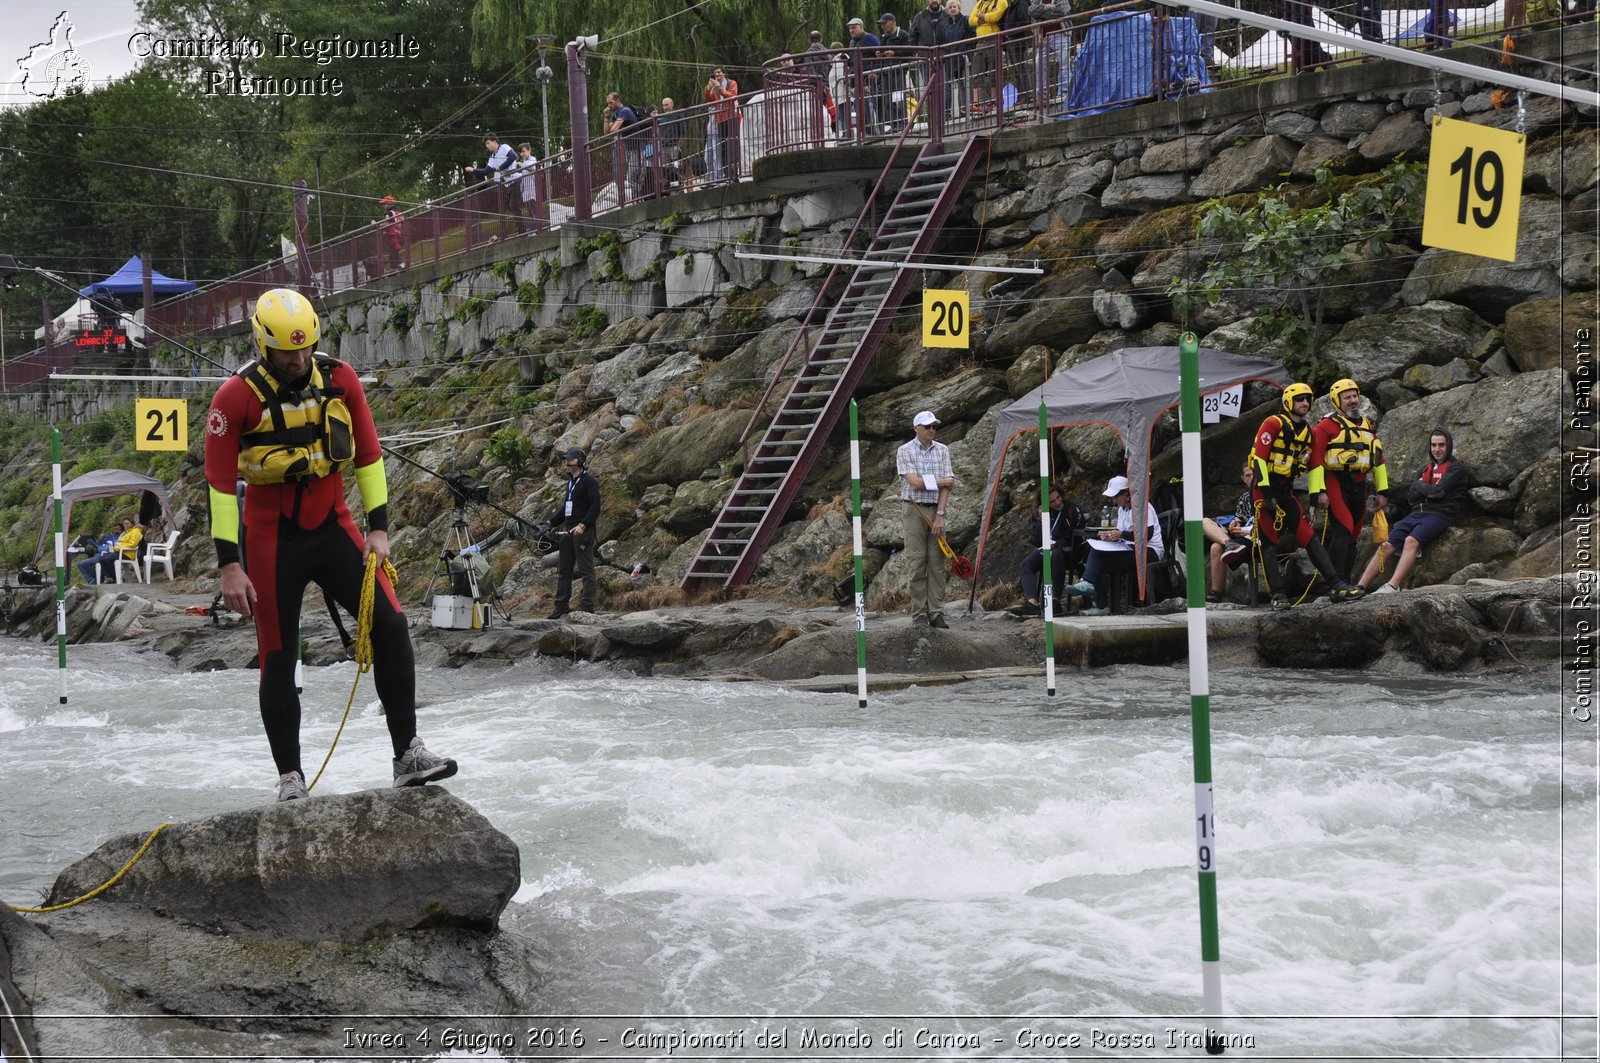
776,468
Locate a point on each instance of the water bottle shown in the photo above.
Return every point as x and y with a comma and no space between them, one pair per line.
1105,517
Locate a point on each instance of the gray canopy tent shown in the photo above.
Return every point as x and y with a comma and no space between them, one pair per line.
105,483
1129,390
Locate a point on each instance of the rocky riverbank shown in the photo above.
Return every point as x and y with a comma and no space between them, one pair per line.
1475,625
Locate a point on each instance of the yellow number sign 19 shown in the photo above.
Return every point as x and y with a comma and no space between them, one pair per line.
945,321
160,424
1474,189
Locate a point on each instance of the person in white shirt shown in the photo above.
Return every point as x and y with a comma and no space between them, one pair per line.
523,176
1111,551
926,479
499,161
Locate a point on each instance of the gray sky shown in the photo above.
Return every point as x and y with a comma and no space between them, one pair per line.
100,32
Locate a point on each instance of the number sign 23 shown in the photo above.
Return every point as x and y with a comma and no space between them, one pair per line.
161,424
945,321
1474,189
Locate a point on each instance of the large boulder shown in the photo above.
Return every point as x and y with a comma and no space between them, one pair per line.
1494,433
747,370
1383,345
1540,333
961,398
1057,312
1463,545
696,504
348,868
609,377
1250,165
1489,286
683,452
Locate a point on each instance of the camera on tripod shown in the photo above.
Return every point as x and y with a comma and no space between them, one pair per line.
466,490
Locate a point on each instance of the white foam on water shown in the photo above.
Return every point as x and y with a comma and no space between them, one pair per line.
1386,846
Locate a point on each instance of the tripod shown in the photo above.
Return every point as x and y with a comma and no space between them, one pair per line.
456,564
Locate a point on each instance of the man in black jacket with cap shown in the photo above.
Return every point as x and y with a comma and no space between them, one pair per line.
579,510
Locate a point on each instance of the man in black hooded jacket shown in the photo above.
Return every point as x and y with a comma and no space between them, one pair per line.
1437,497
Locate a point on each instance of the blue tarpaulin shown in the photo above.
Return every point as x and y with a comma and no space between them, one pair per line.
129,280
1115,66
1423,28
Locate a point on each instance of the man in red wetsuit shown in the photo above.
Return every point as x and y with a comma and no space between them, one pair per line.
1280,453
1346,459
288,423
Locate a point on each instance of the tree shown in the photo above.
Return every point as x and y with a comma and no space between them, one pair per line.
1301,240
662,47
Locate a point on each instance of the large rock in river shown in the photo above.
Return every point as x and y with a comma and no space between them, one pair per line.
348,868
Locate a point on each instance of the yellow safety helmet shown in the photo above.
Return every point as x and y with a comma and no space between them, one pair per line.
1339,388
284,320
1292,392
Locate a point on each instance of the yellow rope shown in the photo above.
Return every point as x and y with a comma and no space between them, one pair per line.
112,881
363,666
363,648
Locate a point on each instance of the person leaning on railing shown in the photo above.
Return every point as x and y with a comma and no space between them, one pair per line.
499,161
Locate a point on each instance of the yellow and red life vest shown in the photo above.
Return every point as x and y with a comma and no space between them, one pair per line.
304,434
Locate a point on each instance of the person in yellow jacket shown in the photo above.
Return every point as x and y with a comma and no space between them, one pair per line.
985,22
102,566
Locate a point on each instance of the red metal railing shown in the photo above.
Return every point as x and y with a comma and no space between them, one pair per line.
1117,55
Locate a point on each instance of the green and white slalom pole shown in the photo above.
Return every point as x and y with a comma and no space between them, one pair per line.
1044,530
61,566
861,580
1194,545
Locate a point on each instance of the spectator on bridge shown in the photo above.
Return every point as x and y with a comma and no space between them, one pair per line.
1057,51
722,93
394,233
862,44
890,77
670,130
624,121
839,87
985,23
525,173
927,26
815,62
498,163
958,59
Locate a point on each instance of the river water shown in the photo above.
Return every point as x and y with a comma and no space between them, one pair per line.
1406,865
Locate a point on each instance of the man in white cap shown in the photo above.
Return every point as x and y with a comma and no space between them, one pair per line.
926,479
1111,551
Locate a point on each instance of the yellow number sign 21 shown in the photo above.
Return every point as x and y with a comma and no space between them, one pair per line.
945,321
160,424
1474,189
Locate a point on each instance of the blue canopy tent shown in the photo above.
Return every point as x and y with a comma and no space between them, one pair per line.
129,280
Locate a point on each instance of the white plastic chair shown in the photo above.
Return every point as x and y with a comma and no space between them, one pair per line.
159,552
133,566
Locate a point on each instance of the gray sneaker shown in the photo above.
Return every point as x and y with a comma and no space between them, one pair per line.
417,766
292,787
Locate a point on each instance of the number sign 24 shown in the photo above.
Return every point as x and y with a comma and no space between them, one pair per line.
160,424
1474,189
